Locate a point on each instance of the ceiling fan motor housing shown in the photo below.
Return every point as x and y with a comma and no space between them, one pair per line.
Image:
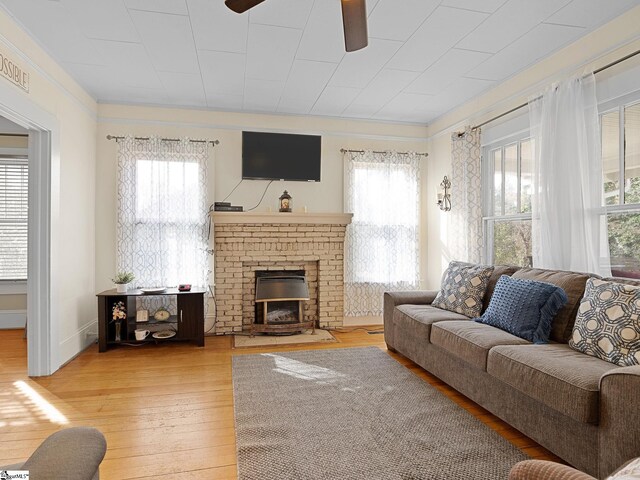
354,20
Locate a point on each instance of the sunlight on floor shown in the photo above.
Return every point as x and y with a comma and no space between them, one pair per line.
302,370
24,406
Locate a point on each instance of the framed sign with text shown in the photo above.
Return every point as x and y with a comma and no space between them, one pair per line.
12,71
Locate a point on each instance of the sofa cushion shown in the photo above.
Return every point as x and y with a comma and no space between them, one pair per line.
415,320
608,323
573,285
524,308
463,288
555,375
471,341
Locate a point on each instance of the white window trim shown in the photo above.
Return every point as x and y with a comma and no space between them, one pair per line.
488,216
619,104
13,287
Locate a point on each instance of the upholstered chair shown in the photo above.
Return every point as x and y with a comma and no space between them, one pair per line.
543,470
69,454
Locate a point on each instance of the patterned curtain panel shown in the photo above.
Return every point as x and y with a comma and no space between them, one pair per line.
465,219
382,190
162,211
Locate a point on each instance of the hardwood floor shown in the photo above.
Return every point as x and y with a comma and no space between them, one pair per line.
166,410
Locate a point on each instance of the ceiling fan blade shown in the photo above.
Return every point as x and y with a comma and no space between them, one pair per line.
354,20
241,6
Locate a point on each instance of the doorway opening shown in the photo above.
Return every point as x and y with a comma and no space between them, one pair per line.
43,201
14,203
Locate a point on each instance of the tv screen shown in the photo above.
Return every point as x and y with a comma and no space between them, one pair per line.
280,156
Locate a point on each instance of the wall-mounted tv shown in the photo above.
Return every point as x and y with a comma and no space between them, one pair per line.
280,156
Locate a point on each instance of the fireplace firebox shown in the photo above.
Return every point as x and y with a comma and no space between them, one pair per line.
278,303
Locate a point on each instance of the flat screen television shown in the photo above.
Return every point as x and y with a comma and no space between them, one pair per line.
280,156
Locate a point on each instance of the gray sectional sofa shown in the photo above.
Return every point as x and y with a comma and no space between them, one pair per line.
583,409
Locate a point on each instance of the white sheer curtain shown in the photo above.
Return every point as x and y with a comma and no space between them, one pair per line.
161,231
567,196
382,190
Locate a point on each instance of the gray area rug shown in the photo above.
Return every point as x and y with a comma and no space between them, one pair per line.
355,413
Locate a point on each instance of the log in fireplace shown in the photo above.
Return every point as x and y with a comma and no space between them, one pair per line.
278,303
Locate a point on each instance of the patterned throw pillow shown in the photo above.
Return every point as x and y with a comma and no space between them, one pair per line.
630,471
524,308
608,323
463,286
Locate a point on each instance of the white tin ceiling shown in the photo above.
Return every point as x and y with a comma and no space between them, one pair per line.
424,56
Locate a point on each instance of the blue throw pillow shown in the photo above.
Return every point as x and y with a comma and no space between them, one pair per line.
524,308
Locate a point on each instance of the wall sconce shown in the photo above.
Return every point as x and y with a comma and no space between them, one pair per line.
444,197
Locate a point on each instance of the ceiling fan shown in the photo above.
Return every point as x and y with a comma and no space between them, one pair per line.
354,20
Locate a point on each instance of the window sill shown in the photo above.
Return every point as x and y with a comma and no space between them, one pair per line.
13,288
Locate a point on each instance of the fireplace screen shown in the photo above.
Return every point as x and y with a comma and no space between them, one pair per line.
279,297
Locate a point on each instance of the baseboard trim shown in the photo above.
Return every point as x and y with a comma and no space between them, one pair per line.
362,321
76,343
12,319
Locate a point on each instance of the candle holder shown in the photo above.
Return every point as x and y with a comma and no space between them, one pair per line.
285,202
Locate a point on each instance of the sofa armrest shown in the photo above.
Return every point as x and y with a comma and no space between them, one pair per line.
69,454
544,470
619,434
414,297
393,299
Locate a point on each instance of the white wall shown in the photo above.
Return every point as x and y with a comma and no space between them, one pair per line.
73,254
225,163
602,46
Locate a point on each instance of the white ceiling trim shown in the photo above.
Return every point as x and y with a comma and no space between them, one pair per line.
93,114
236,127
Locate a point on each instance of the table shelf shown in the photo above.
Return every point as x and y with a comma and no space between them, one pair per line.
188,323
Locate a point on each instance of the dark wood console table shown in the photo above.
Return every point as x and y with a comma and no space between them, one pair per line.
188,323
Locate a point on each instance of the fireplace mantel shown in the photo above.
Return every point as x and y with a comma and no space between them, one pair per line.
277,217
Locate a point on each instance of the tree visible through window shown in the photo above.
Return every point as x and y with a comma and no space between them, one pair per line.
508,212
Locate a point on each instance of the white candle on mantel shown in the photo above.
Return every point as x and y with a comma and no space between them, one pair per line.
305,209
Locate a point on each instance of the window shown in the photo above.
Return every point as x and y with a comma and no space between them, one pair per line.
620,128
162,211
383,226
381,249
14,202
508,169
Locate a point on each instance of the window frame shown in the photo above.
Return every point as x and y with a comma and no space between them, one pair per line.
359,277
489,217
618,104
15,286
159,264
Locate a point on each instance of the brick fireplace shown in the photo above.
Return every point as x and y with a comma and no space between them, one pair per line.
247,242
